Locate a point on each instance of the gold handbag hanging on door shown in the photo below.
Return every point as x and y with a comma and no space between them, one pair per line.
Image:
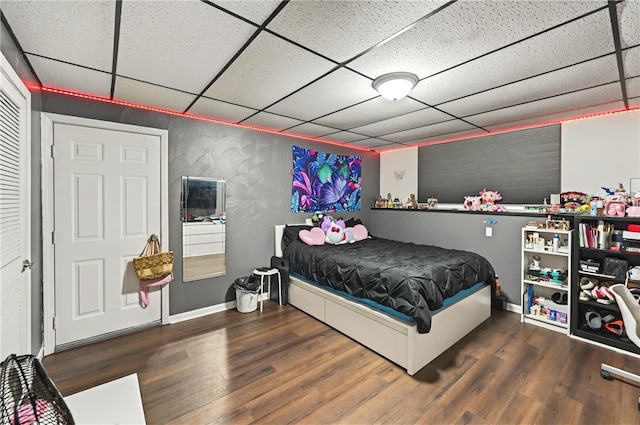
152,262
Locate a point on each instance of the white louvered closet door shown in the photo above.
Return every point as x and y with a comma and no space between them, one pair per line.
15,215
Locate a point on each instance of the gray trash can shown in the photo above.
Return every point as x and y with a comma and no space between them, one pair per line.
247,293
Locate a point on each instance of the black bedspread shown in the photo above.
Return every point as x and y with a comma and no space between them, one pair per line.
412,279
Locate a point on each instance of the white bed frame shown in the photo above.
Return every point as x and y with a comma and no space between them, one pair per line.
394,339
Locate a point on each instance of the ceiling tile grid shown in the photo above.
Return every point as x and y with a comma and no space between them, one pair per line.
407,121
338,90
255,11
142,93
324,26
344,136
223,110
311,129
631,59
464,31
79,32
430,131
179,44
370,111
572,103
256,79
62,75
493,64
272,121
562,115
628,17
586,75
567,45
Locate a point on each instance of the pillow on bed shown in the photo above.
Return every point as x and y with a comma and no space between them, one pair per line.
291,233
352,223
315,236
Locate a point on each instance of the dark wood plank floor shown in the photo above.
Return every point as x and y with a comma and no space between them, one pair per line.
282,366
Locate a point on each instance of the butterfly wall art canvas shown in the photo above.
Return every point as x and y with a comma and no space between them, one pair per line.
325,182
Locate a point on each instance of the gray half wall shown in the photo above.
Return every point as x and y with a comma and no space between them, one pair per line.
462,230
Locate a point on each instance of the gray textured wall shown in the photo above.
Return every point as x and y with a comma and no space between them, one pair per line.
462,230
17,61
257,167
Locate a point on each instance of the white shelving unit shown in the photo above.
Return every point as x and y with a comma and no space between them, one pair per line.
546,272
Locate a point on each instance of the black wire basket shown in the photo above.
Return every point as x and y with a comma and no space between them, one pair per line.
28,396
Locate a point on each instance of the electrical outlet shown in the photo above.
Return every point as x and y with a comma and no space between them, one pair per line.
488,231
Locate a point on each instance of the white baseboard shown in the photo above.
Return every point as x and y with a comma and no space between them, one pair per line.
514,308
194,314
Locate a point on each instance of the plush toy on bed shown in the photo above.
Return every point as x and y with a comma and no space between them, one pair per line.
489,199
333,232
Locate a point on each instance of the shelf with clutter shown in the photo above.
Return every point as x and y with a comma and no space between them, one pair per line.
546,278
607,253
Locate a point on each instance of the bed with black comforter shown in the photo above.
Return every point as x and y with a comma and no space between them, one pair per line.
409,278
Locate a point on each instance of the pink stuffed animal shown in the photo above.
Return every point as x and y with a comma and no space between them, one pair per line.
489,199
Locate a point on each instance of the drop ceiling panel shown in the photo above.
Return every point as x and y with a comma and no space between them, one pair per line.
370,111
148,94
571,103
628,17
271,121
559,116
344,136
222,110
61,75
435,130
466,30
178,44
411,120
256,79
337,90
633,86
631,60
79,32
255,11
324,26
566,45
169,52
456,135
375,143
589,74
310,129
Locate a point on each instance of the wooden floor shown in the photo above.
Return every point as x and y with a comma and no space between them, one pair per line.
282,366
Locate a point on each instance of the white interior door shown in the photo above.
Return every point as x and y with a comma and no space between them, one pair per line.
107,203
15,214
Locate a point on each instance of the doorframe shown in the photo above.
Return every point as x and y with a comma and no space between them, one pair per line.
48,260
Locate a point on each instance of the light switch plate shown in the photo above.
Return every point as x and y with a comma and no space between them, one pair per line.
488,231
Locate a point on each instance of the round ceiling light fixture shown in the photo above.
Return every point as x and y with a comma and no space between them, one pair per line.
396,85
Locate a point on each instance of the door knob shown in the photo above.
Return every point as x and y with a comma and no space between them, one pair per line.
26,264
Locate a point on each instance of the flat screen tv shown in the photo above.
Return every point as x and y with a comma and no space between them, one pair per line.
203,198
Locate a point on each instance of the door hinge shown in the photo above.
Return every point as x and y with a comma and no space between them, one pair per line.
53,237
54,323
53,151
